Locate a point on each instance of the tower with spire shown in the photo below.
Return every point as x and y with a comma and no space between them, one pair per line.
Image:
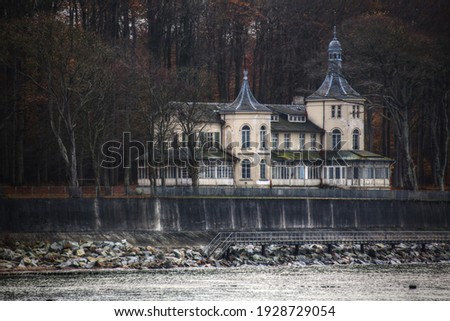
336,106
246,130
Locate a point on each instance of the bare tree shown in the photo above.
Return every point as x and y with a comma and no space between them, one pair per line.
191,115
158,113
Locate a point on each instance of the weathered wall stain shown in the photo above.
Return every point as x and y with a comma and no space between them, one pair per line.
166,214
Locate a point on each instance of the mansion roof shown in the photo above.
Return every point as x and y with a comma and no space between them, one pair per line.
335,86
286,126
245,101
329,156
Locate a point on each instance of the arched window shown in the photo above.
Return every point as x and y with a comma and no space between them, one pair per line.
262,137
262,169
245,137
228,137
336,139
246,169
355,139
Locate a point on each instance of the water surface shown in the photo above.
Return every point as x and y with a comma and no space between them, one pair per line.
368,282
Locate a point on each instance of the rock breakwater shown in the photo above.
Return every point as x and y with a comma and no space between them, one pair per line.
21,256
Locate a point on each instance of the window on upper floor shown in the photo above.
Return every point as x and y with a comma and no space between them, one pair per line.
297,119
301,141
245,137
355,111
336,139
275,140
274,118
287,140
355,139
336,111
209,140
262,137
313,141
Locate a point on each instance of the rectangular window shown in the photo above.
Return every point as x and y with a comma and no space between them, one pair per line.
333,111
368,173
274,118
284,172
217,139
297,119
245,169
209,140
355,173
337,174
275,140
313,172
184,172
225,171
287,140
301,141
381,173
355,111
339,111
301,172
313,141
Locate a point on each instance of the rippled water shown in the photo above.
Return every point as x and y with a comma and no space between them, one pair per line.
369,282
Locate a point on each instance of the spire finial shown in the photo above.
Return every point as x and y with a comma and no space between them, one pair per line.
334,33
245,74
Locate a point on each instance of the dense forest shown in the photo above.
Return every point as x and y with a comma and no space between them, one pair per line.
77,73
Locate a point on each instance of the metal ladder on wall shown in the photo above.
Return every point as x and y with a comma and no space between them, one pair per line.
220,242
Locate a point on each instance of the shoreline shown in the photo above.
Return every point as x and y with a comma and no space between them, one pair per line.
42,257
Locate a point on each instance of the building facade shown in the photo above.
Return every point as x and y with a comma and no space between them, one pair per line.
313,142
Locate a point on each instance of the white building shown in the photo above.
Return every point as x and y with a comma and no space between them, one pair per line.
316,142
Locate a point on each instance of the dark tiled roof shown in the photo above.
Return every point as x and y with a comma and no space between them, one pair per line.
352,155
245,101
330,156
288,109
285,126
176,155
290,156
335,86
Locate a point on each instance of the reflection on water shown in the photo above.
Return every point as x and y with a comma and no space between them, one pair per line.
370,282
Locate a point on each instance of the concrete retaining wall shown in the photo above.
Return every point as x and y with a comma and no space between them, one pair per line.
217,214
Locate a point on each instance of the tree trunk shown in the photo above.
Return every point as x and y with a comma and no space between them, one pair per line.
74,187
193,165
408,171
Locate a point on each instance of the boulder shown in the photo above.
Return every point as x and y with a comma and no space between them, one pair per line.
178,254
56,247
71,245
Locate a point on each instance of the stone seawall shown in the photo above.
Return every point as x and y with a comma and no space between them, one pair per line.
190,214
